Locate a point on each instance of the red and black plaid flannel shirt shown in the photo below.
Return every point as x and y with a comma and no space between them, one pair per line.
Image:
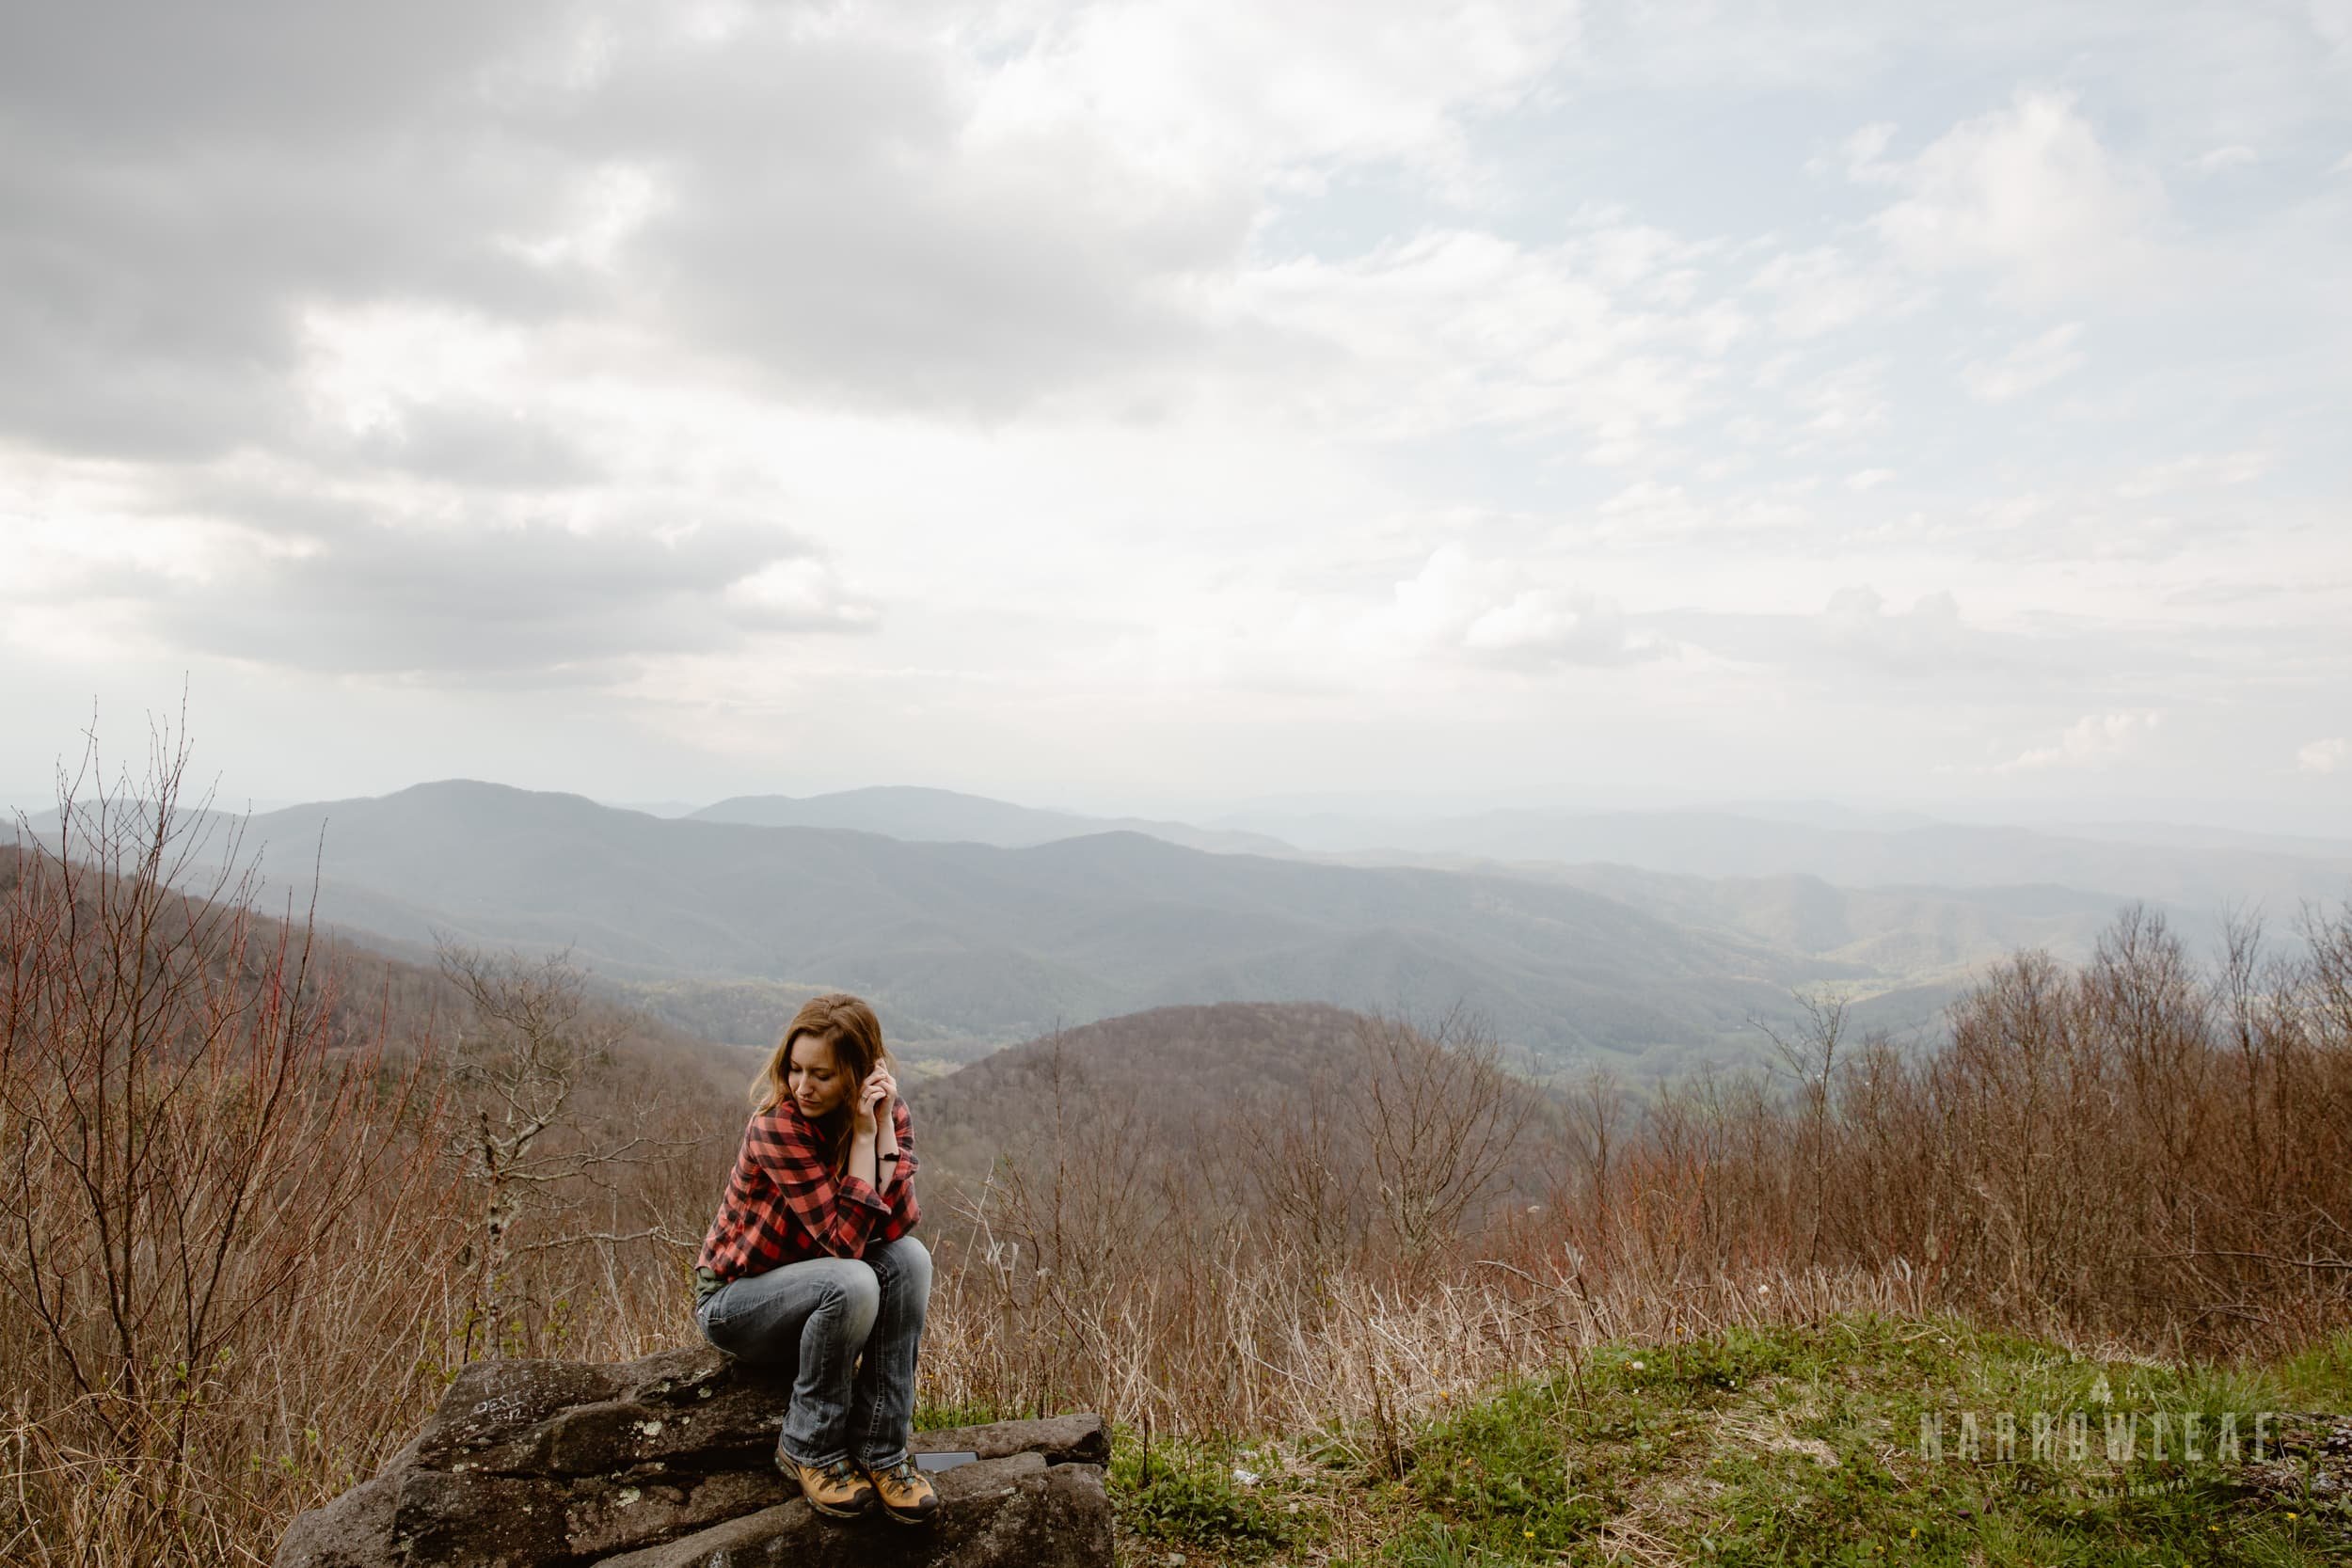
783,1204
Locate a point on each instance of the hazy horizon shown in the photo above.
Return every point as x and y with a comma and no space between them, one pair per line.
1146,409
2116,820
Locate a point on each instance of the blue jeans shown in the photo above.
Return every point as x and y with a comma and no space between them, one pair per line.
817,1315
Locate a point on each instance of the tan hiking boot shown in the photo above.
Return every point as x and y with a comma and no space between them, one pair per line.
838,1489
906,1492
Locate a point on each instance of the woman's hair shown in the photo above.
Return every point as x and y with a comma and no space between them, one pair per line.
855,1034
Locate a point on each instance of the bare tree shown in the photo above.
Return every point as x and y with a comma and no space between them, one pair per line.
1597,1114
1440,1118
1306,1168
1810,1055
523,1069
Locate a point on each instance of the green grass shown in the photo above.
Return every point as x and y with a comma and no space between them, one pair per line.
1796,1446
930,1415
1193,1494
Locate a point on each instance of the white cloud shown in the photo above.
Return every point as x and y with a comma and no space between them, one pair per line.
2094,740
1440,633
1863,155
1814,291
1862,481
1458,329
802,594
2332,21
1848,401
2027,367
2029,194
1195,91
1928,638
2324,756
2196,471
2235,156
1649,514
1492,612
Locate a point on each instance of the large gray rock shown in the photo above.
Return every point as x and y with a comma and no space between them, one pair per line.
668,1462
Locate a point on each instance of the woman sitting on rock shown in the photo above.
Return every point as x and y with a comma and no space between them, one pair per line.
811,1261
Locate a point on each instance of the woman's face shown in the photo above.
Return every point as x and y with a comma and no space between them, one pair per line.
818,1081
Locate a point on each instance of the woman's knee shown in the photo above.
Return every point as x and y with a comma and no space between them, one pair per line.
909,1262
860,1294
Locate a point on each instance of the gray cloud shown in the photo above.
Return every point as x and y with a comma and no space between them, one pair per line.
825,214
475,444
182,180
333,585
122,76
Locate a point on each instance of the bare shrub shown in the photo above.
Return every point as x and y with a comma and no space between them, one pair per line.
2137,1148
185,1137
233,1274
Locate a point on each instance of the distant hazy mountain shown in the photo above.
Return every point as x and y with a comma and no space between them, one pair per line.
2195,871
1826,814
1922,933
944,817
2185,835
655,808
966,942
2200,871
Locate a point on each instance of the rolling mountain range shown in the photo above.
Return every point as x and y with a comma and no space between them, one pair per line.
720,925
945,817
963,944
2192,868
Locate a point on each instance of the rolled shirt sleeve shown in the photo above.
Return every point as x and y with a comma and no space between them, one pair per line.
901,1200
904,1125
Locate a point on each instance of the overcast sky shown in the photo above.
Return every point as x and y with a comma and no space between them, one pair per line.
1148,406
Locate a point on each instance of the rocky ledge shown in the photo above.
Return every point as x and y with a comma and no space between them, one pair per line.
669,1462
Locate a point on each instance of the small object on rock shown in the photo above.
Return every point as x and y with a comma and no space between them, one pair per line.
938,1462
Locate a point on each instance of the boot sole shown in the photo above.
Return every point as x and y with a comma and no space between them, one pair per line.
834,1511
923,1518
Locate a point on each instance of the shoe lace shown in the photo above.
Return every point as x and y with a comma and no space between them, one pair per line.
841,1470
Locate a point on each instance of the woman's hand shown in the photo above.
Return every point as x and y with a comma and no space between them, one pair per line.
874,1096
